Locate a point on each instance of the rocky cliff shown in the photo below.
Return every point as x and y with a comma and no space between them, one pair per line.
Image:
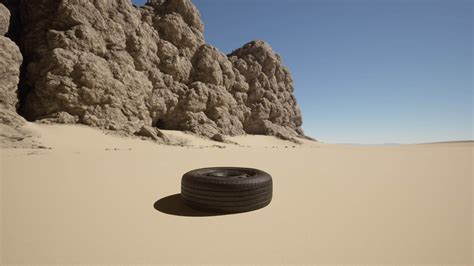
11,124
111,65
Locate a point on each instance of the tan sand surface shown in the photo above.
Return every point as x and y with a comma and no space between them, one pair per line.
92,199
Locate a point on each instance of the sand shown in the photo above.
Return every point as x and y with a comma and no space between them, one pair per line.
95,198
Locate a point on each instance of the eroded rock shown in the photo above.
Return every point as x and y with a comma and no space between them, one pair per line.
152,132
110,65
4,19
269,95
12,126
218,137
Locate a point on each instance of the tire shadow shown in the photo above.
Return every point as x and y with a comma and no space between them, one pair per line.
174,205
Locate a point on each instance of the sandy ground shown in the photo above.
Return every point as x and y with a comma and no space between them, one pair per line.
101,199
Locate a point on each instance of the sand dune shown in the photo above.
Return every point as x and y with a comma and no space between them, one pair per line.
89,197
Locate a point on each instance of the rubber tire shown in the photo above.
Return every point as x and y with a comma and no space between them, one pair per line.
227,189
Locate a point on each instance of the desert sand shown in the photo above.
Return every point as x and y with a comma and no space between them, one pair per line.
93,198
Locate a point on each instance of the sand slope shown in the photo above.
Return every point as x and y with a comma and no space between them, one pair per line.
92,199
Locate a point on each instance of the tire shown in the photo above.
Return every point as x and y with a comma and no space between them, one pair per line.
227,189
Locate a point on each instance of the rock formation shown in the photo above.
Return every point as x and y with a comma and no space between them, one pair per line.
11,124
111,65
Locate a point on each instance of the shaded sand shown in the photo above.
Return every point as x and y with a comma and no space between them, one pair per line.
97,198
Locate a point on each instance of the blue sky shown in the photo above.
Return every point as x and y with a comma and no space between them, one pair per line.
365,71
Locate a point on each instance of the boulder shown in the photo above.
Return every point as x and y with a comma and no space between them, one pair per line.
218,137
153,133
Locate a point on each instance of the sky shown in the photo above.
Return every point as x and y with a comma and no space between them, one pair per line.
365,71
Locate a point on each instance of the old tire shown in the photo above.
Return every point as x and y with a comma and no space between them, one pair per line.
227,189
